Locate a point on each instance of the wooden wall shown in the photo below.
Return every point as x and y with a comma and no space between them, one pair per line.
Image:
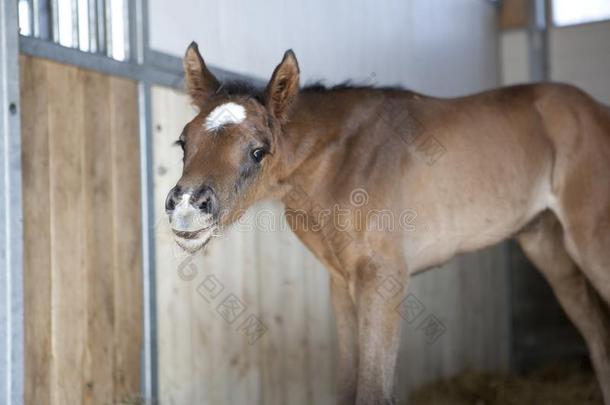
82,235
204,359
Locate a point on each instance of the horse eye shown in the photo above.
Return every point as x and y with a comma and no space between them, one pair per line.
258,154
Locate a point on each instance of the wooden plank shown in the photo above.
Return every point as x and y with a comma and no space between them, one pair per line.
272,346
231,260
321,332
36,228
97,223
225,366
286,367
124,145
225,369
176,351
82,235
69,278
293,306
248,369
202,358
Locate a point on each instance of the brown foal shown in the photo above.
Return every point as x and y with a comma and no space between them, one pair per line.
531,162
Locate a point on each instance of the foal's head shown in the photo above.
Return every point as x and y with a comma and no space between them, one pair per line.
229,148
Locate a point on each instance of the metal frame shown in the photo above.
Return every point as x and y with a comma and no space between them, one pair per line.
159,69
11,230
41,22
145,66
538,41
138,43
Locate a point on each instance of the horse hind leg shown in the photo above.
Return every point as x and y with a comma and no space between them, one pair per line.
543,243
586,221
582,201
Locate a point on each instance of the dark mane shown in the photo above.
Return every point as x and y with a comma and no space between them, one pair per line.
241,88
320,87
244,88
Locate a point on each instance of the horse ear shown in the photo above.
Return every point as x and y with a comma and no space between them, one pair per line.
200,82
283,86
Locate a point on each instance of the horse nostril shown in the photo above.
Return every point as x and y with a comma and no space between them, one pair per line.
204,200
170,201
170,204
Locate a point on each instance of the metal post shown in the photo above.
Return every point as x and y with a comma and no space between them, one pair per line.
107,21
134,52
41,19
149,357
538,41
11,232
139,46
100,31
55,20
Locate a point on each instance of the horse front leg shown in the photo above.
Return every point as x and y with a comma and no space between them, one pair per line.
378,291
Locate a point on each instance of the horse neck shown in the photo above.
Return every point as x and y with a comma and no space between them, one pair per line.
318,120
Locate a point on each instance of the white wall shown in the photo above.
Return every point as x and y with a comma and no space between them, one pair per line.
580,55
514,46
443,47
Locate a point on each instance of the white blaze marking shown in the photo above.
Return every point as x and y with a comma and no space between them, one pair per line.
228,113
